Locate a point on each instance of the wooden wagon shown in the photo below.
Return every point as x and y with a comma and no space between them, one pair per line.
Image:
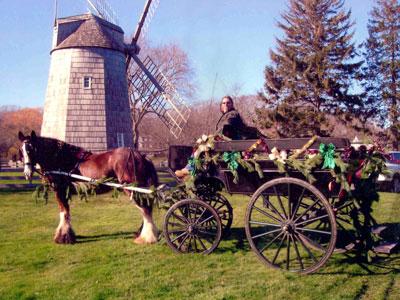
290,223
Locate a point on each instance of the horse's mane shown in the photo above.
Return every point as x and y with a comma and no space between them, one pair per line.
59,153
57,145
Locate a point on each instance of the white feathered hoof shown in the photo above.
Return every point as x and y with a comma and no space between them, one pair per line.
148,235
64,233
65,236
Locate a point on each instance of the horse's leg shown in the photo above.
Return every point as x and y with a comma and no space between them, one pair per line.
64,233
149,231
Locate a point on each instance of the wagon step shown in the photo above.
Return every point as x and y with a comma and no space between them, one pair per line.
386,247
378,230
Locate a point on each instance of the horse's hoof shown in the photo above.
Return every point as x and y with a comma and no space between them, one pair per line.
139,241
64,240
68,238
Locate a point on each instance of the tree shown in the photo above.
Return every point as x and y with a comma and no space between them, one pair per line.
382,68
312,70
174,63
12,121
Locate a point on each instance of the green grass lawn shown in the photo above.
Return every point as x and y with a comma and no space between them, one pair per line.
11,174
10,181
106,264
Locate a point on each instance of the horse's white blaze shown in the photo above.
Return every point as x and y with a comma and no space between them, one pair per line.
27,163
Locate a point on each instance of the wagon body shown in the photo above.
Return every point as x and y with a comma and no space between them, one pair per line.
249,182
290,224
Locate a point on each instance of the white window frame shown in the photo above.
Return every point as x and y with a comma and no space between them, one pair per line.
89,80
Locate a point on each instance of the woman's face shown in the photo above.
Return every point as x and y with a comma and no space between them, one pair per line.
226,105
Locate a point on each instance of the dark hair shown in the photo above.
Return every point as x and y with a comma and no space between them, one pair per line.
226,97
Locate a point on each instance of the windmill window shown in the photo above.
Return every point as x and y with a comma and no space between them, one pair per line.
87,82
120,139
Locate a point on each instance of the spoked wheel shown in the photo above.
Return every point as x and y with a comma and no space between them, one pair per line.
345,235
223,209
282,221
192,226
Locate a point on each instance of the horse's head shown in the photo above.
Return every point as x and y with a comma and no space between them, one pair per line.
29,153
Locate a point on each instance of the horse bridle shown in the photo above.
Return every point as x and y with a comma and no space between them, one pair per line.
31,151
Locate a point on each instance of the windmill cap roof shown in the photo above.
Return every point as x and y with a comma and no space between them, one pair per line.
88,30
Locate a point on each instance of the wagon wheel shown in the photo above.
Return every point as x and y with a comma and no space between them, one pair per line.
345,236
281,225
223,209
192,226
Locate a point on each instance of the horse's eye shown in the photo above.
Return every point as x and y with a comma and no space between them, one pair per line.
28,148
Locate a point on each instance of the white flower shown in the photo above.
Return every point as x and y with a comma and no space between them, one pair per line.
202,139
274,154
283,155
280,156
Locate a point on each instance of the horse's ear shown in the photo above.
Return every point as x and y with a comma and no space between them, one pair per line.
33,135
21,136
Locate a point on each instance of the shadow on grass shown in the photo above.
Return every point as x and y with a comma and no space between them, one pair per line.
381,263
379,266
80,239
235,241
239,241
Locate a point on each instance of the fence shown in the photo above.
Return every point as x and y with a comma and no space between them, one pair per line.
15,175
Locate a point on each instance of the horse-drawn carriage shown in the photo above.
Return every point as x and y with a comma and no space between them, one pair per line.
303,207
290,223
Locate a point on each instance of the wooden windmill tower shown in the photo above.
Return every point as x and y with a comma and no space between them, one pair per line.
89,90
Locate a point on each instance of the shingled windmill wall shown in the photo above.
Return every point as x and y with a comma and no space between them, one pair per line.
96,116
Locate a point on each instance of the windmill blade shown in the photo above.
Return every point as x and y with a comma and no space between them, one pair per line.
145,19
149,86
155,93
148,12
103,10
150,15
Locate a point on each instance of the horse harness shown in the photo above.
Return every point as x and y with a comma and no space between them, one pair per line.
81,156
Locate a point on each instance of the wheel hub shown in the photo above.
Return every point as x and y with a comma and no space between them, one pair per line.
288,227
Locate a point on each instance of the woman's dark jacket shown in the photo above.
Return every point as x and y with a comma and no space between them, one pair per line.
232,126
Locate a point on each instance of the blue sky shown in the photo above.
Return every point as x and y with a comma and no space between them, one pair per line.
230,38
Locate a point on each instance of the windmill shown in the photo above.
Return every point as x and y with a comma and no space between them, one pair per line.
94,76
147,85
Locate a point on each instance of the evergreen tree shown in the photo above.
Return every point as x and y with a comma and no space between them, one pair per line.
382,70
312,70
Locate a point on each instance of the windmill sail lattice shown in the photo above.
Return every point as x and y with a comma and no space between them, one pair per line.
152,10
103,10
156,94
